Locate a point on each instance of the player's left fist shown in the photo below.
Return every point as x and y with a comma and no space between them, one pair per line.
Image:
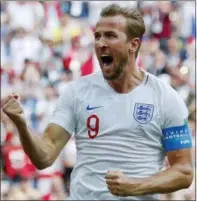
118,183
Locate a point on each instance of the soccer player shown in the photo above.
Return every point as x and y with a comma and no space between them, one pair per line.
125,122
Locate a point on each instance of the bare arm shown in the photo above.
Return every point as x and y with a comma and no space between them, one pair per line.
178,176
42,151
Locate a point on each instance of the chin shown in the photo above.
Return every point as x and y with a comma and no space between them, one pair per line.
110,76
106,75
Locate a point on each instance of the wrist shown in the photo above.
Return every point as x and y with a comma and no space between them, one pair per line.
135,185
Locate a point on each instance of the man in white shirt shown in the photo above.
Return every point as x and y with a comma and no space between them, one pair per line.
125,122
25,14
24,46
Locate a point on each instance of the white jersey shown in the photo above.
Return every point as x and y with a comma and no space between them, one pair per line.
116,131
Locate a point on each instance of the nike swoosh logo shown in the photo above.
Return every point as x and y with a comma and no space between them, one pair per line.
92,108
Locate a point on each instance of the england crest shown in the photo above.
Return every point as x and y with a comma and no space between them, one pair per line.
143,113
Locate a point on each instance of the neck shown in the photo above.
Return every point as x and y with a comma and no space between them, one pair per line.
131,78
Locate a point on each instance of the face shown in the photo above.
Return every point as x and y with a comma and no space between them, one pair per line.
112,46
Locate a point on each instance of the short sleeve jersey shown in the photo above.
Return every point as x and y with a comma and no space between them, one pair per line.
128,132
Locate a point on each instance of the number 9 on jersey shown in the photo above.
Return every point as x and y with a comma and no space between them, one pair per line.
93,126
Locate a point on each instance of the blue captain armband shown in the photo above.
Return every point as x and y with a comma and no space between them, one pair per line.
175,138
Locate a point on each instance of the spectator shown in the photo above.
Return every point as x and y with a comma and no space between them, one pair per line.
25,14
24,46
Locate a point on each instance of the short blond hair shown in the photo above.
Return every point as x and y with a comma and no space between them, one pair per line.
135,24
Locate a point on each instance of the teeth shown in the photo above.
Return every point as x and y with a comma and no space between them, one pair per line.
104,55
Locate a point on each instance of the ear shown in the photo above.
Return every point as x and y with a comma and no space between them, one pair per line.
134,44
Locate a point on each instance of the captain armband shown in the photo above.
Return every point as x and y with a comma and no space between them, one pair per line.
176,138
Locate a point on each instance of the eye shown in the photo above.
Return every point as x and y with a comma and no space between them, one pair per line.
97,36
110,35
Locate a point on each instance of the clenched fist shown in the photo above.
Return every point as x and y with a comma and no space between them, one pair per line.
12,108
121,185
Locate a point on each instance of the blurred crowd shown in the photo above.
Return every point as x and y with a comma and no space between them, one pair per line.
47,44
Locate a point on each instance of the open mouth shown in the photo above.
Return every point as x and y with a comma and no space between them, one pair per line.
106,60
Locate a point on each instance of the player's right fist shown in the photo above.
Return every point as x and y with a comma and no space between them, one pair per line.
12,108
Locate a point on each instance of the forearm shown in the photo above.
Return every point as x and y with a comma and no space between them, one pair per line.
167,181
34,146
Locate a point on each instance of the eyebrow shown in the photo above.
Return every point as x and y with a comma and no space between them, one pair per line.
105,32
96,32
110,32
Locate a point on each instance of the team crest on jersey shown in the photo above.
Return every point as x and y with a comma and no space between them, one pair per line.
143,113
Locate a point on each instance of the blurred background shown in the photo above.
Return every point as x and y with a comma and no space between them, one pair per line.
47,44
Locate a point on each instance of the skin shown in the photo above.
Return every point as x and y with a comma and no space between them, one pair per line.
178,176
122,76
44,150
111,38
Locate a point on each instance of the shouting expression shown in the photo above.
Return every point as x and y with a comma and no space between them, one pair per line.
112,46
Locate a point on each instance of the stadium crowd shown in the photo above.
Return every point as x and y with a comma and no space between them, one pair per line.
47,44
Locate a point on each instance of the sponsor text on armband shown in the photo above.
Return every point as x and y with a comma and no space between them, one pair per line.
175,138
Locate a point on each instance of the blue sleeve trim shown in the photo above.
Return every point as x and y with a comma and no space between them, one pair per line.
175,138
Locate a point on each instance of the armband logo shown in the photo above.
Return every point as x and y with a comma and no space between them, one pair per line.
175,138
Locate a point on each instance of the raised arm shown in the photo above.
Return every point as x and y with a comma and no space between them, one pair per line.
44,150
